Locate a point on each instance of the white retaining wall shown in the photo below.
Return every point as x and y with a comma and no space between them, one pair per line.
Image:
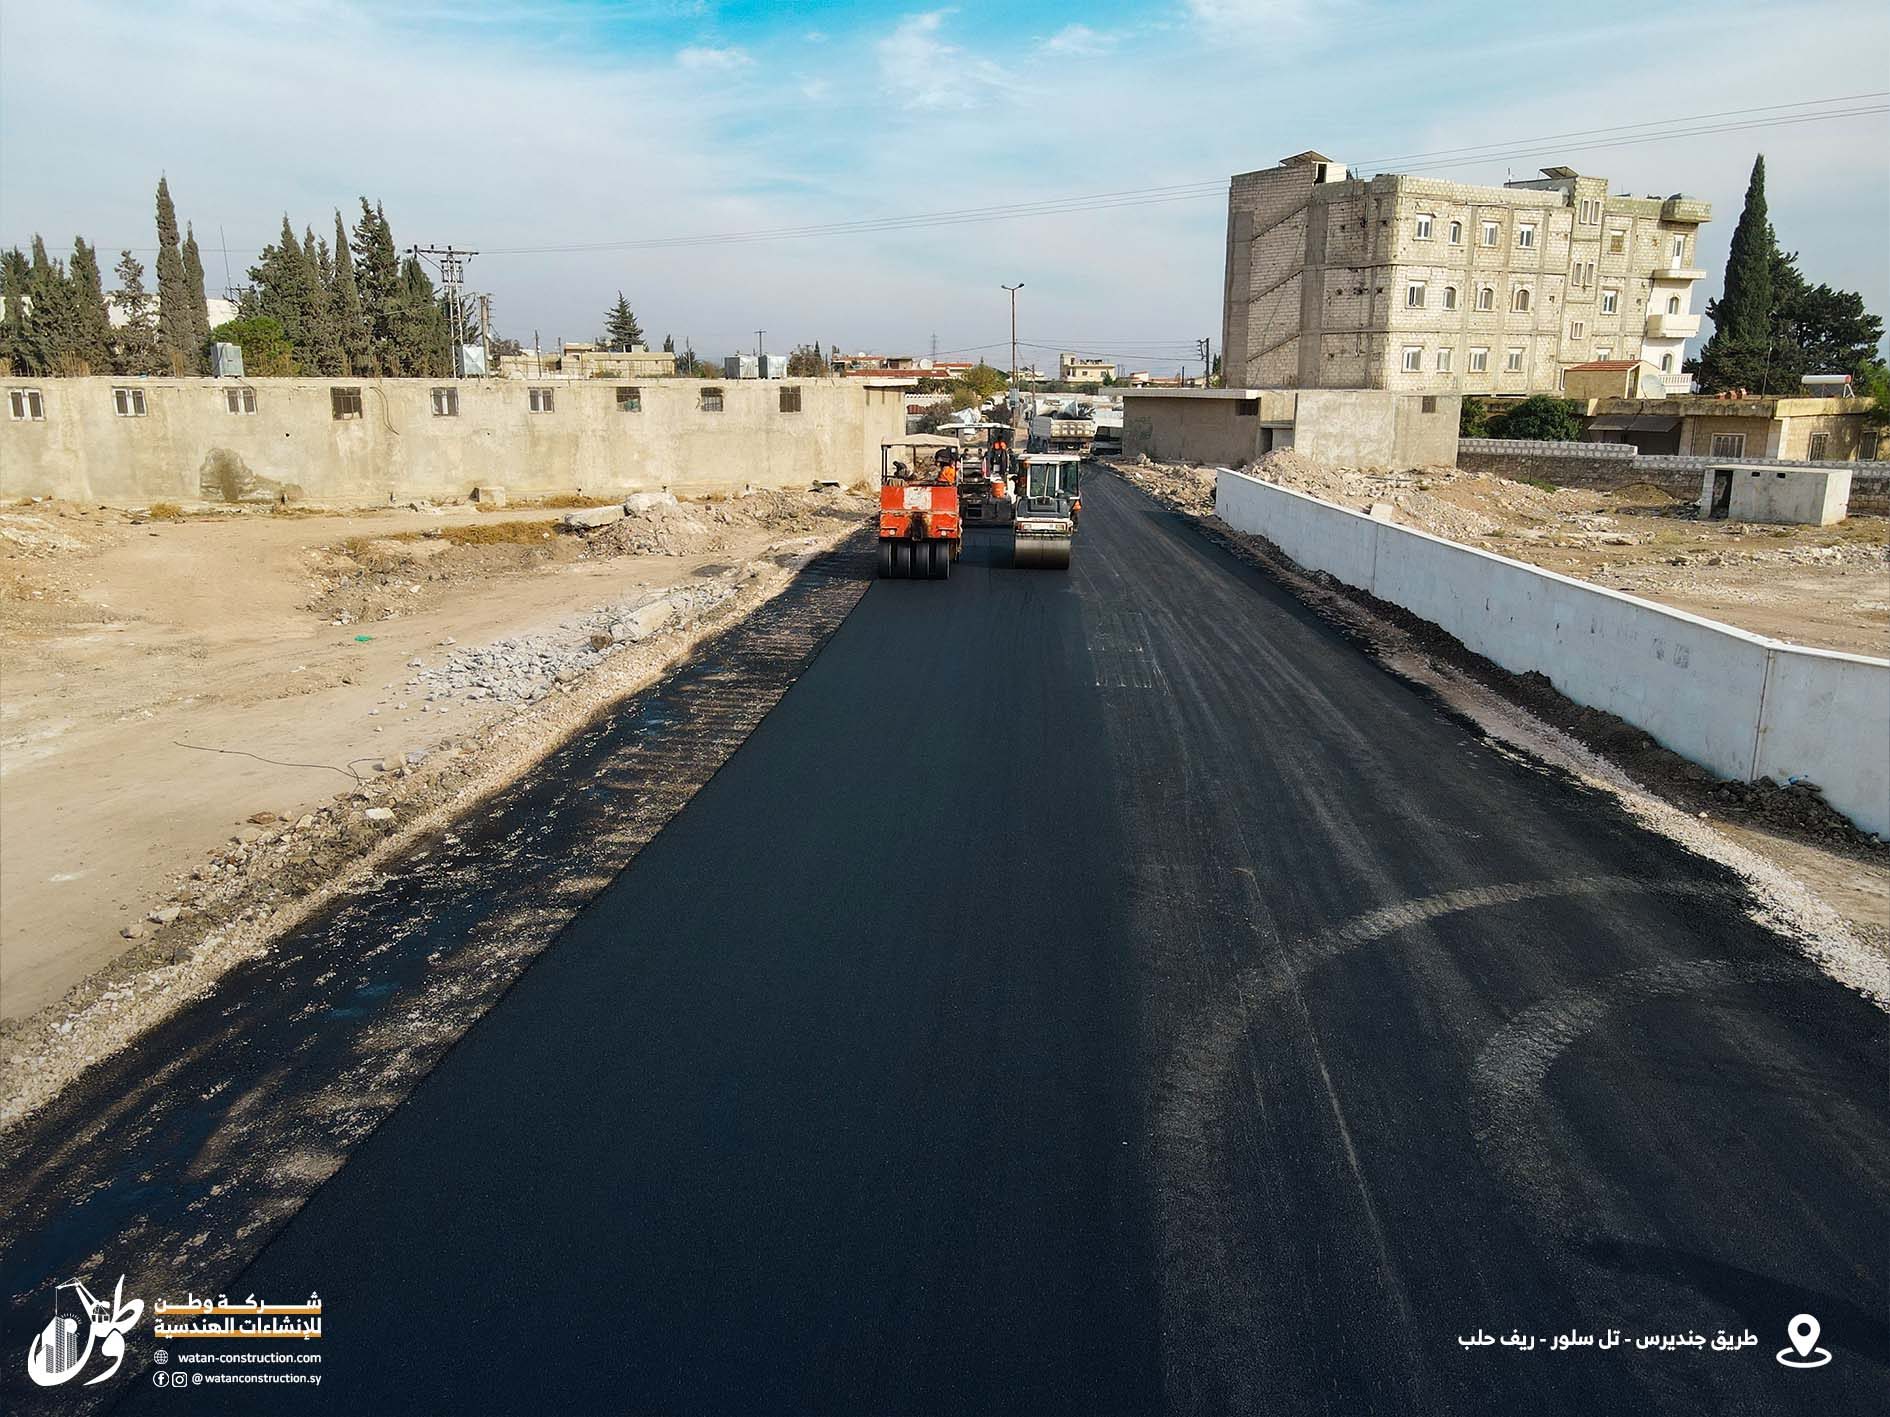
1738,703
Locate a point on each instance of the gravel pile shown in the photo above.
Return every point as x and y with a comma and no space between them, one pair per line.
657,524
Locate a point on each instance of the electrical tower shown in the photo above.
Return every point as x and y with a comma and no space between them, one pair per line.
450,262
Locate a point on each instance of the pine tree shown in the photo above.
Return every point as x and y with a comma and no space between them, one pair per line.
621,330
669,344
344,298
19,346
199,300
138,349
176,330
91,319
378,277
323,335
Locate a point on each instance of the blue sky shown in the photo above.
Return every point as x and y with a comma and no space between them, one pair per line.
534,124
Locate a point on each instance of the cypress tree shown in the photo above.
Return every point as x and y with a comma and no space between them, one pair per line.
138,349
285,281
176,330
344,298
378,276
50,315
19,344
199,300
319,319
91,319
1739,354
420,334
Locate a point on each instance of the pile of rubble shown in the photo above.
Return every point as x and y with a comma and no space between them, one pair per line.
659,524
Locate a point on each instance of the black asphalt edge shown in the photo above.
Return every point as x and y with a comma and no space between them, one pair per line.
1384,629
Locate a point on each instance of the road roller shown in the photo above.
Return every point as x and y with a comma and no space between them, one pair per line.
920,534
1046,509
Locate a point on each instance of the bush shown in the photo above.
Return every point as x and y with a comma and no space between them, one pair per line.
1541,417
1473,419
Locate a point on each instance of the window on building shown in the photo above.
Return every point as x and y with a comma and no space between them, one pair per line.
1413,358
1584,273
1576,329
1729,445
128,403
629,400
1512,362
543,400
711,401
790,398
1443,361
1414,295
26,405
1450,297
1526,233
446,403
1456,233
1604,351
1666,364
1610,301
1424,221
1867,447
1520,300
1486,298
1820,447
1491,233
241,400
1673,305
1479,360
1679,250
1591,211
1617,241
344,403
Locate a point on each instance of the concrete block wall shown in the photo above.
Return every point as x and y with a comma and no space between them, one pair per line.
1608,466
1740,704
399,447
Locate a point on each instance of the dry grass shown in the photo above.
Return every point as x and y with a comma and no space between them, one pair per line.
570,499
165,512
493,533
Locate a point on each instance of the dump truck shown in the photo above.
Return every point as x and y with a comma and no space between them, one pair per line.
920,532
1071,429
1049,504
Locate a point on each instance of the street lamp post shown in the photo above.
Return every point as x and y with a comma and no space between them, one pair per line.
1013,289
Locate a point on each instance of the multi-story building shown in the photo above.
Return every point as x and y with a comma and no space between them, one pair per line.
1081,369
1424,286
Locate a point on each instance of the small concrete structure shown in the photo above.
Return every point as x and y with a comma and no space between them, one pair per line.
1809,496
1350,427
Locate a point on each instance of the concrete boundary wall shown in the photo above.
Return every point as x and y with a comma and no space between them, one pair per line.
189,443
1610,466
1737,703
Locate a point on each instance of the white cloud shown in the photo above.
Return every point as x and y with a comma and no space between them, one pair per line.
707,58
815,88
1079,40
926,70
1254,20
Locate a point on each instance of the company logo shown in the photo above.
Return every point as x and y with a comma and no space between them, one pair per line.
56,1356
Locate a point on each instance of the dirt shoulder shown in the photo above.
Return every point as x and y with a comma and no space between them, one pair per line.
207,721
1789,837
1824,586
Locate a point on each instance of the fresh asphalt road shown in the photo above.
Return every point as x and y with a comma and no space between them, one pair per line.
1116,992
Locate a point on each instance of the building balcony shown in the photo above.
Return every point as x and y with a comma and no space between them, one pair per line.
1674,271
1672,326
1686,209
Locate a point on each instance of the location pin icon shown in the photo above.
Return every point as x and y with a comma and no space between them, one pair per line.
1803,1332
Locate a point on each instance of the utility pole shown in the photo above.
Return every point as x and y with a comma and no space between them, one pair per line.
450,262
1206,346
758,338
1016,403
485,335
